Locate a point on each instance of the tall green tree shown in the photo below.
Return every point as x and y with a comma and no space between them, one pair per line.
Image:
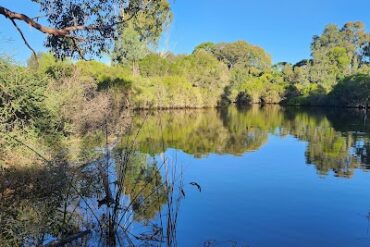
338,52
129,49
142,31
150,24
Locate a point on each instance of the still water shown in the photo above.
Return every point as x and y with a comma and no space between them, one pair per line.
257,176
270,176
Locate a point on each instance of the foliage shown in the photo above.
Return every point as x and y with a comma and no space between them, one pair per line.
207,46
22,96
145,29
129,48
215,74
337,53
47,63
154,65
244,55
196,80
267,88
202,70
150,24
83,28
352,91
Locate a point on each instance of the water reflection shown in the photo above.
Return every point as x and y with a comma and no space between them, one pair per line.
114,201
129,193
338,140
29,203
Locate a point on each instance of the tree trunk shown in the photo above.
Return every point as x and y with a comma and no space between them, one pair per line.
135,68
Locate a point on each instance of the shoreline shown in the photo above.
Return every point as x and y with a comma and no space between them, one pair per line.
144,109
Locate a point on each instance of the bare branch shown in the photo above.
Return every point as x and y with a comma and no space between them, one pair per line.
85,30
64,32
80,52
25,40
16,16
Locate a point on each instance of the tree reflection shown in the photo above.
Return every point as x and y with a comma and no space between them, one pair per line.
144,185
101,202
202,132
119,196
338,140
31,200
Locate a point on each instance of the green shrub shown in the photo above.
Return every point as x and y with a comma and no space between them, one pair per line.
22,95
267,88
48,64
154,65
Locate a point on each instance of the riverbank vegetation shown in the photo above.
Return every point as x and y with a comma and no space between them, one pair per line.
215,74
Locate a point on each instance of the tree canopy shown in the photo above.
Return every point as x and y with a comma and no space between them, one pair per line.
338,52
82,28
238,54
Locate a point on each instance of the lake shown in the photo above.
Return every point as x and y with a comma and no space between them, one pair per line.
254,176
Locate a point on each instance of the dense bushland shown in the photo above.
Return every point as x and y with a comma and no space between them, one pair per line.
222,73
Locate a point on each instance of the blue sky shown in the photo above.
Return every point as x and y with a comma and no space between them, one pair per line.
284,28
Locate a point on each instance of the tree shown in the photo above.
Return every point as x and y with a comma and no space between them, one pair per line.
338,52
151,23
207,46
288,72
354,36
241,54
338,56
79,28
365,52
203,70
142,31
130,49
